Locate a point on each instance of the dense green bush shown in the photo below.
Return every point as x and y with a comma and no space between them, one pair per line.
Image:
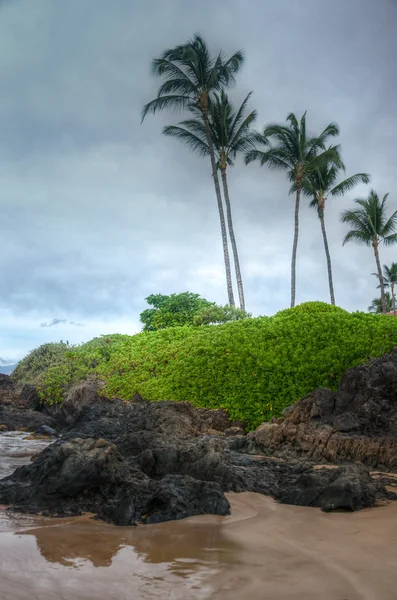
39,360
254,367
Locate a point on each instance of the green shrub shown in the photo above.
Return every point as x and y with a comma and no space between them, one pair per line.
310,308
253,367
39,360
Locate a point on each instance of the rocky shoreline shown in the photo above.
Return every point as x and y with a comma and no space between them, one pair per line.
147,462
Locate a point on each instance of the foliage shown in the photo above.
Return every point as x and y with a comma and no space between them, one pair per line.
231,130
190,76
370,226
294,151
389,275
252,367
320,182
172,311
213,315
376,306
39,360
389,281
368,222
310,308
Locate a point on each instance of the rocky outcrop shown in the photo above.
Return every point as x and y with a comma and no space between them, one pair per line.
356,423
18,407
149,462
139,461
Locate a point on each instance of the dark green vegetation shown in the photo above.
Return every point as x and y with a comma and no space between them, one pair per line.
254,367
186,309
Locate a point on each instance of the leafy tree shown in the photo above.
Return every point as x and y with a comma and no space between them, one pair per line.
320,184
216,315
389,281
231,133
376,306
191,76
296,153
172,311
369,226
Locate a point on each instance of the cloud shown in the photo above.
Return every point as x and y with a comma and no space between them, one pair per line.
60,322
5,361
98,211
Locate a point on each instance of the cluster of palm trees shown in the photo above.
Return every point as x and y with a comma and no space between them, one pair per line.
390,282
195,82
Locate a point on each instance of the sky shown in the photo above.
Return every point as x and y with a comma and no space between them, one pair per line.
98,211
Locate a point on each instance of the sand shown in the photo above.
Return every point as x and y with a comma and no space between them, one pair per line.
264,551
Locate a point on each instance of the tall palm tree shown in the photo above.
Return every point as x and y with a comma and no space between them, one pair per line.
191,75
369,226
320,185
231,133
296,153
390,281
376,306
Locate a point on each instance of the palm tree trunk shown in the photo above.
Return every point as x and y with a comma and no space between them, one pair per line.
327,253
380,275
295,246
233,240
220,209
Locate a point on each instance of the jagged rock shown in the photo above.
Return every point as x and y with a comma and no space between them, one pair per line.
356,423
17,407
46,431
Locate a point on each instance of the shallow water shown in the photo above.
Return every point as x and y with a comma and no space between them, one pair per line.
262,551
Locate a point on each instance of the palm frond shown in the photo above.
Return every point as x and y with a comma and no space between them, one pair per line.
390,225
230,67
240,113
390,240
194,142
174,102
254,155
358,236
161,66
348,184
176,86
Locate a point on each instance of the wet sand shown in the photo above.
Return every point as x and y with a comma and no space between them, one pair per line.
262,551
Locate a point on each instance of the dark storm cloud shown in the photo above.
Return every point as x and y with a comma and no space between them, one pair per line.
98,211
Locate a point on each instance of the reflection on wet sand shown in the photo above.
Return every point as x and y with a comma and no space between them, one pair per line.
86,539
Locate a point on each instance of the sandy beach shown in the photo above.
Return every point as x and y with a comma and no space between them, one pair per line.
262,551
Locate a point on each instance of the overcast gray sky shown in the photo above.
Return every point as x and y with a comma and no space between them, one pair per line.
98,211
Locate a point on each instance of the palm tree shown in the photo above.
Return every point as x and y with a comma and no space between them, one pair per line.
231,133
389,281
192,75
376,306
369,226
320,185
296,153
